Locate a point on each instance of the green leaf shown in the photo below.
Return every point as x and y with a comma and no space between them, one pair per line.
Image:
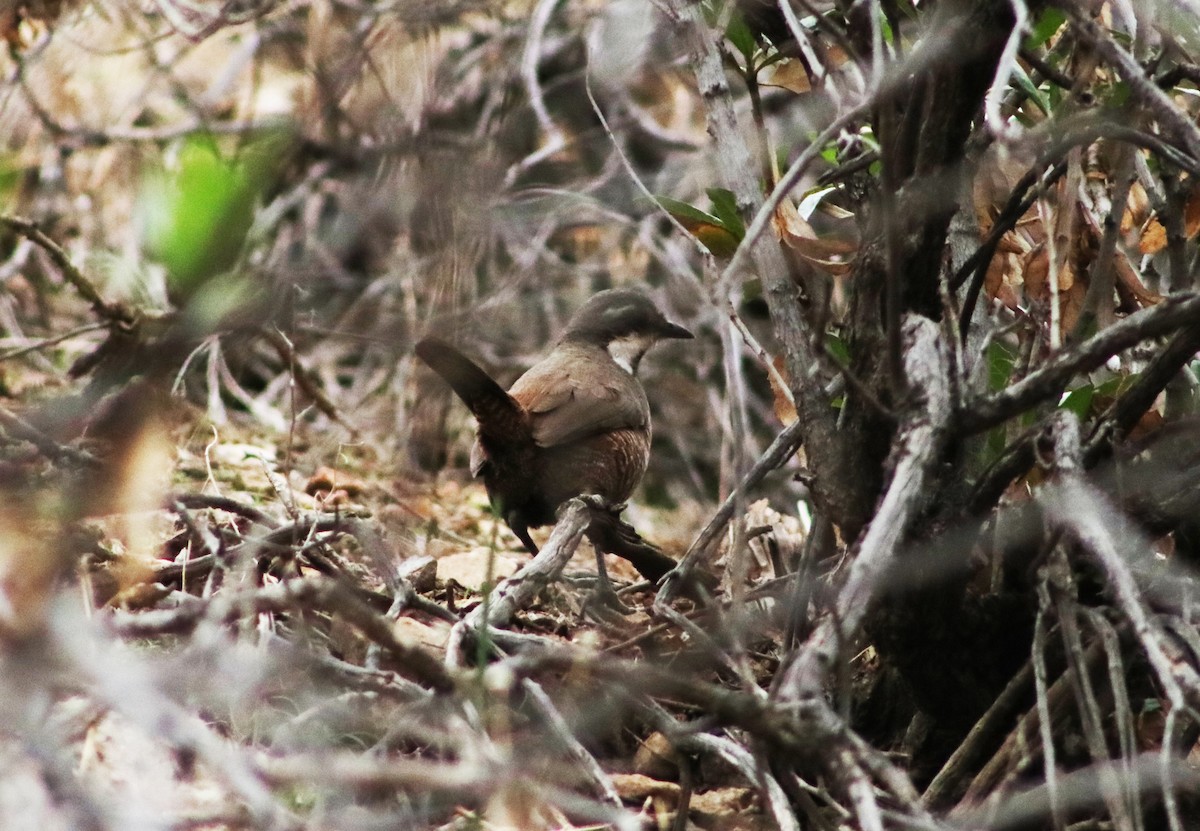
1027,85
1000,362
993,445
1118,94
10,179
197,211
837,347
1047,23
1079,400
725,208
682,210
1112,387
739,34
710,230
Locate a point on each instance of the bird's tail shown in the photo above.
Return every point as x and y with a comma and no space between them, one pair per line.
496,411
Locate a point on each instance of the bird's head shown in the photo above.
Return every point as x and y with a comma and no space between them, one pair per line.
625,323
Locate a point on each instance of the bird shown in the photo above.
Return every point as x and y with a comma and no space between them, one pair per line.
577,422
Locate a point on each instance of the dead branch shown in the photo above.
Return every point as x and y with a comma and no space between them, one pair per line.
518,591
113,313
1087,514
1048,381
782,448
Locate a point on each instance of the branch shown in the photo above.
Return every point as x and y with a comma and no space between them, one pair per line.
736,162
1086,513
1175,312
918,449
311,386
781,449
1144,90
517,592
19,428
112,312
1140,397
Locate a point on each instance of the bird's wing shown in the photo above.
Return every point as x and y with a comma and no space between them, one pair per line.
562,408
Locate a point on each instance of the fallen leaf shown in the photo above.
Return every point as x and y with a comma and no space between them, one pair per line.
656,757
414,632
326,480
634,787
722,801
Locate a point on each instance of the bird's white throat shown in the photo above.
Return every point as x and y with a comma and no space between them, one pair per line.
628,351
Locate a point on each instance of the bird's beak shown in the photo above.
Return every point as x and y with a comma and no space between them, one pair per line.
674,330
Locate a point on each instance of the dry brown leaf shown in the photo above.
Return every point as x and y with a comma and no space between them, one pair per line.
1036,269
996,284
1071,305
835,256
1066,278
1009,244
634,787
656,758
789,75
1154,236
1191,214
1137,208
722,801
1071,291
1151,422
414,632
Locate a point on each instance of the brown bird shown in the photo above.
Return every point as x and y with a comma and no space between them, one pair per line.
577,422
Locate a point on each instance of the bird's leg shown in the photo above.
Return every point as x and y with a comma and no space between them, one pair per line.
610,533
604,593
522,532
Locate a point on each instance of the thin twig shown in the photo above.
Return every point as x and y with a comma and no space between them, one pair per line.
114,313
782,448
1175,312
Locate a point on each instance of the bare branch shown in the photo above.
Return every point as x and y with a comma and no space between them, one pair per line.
1047,382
